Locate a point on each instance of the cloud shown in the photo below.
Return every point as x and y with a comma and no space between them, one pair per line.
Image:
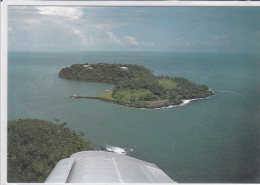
74,27
67,12
85,41
107,38
130,40
112,38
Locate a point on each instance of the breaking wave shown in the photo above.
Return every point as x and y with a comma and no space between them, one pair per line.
118,150
171,106
185,102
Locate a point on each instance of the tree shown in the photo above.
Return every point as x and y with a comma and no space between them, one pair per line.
35,146
56,120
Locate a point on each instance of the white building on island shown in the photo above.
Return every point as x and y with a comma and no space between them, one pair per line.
88,66
124,68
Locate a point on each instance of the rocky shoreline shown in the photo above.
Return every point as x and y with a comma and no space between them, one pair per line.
143,106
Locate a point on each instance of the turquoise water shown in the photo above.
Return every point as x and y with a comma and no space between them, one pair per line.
210,140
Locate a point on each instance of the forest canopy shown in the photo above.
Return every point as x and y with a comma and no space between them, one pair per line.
35,146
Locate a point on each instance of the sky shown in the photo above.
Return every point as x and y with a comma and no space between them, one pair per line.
175,29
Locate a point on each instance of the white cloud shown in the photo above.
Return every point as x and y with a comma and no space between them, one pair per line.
112,38
68,28
86,40
130,40
83,38
106,38
68,12
10,29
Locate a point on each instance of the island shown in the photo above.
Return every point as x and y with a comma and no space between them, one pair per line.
135,85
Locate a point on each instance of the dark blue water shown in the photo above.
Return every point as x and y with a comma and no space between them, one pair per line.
211,140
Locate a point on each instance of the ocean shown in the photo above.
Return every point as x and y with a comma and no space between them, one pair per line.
214,140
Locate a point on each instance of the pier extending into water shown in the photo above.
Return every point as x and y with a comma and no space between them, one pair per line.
83,97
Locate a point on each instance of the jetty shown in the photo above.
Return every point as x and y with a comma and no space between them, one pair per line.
74,96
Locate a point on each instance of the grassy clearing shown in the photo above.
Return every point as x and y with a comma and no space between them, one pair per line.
129,96
132,96
107,95
167,83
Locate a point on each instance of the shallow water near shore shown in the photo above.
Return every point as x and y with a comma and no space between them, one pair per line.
207,140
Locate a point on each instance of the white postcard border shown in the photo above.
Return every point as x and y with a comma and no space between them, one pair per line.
4,46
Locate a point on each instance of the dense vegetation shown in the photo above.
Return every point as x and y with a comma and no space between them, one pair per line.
136,84
163,88
106,73
35,146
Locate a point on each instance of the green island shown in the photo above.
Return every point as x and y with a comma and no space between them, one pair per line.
135,85
35,146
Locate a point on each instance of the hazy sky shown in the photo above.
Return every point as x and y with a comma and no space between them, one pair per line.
186,29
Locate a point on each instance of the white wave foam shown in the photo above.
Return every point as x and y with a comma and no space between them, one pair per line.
185,102
168,107
118,150
171,106
229,92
